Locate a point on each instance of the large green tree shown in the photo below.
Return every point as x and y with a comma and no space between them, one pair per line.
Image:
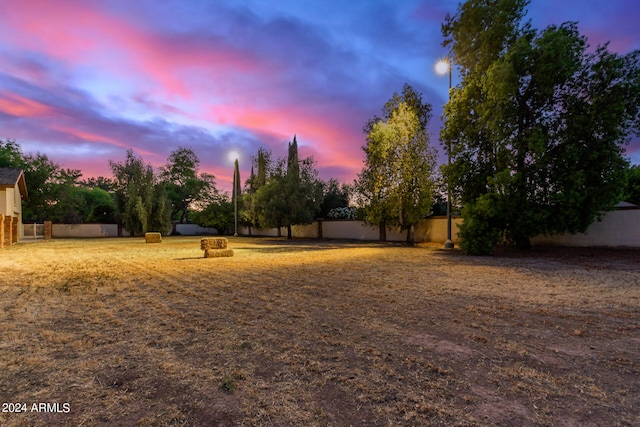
219,214
270,198
632,188
536,127
141,201
396,185
51,188
251,206
80,204
186,187
303,189
291,194
334,195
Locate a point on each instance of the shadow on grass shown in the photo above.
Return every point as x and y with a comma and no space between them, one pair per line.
307,245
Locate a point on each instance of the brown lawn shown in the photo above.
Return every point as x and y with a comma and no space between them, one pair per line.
117,332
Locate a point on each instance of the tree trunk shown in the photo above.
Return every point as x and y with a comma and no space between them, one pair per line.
411,238
523,242
383,231
289,236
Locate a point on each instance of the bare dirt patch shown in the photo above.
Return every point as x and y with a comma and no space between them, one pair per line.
317,333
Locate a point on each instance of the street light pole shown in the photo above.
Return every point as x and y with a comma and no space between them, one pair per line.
442,67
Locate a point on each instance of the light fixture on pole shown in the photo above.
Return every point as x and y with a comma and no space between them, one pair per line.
443,67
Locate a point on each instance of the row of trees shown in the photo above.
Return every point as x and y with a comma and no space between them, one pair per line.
279,193
397,186
54,192
137,196
535,130
282,193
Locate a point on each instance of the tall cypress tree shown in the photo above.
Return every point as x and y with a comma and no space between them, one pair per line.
236,194
260,163
291,194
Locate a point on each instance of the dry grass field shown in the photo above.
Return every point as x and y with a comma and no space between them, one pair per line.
118,332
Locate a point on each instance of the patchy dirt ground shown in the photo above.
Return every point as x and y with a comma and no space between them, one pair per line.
117,332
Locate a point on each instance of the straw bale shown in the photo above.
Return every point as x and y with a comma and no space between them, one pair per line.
213,243
218,253
153,237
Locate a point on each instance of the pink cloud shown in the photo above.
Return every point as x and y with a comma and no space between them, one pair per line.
19,106
58,28
88,136
330,141
74,32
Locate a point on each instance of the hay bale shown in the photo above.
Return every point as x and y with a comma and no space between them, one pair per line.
218,253
153,237
213,243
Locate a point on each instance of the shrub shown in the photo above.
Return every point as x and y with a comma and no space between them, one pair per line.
480,231
342,213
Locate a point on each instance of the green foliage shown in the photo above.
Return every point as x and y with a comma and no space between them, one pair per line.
99,205
218,214
186,189
141,202
334,196
101,182
228,384
342,213
291,194
103,214
480,231
538,123
159,214
632,188
81,204
250,213
50,187
271,198
396,185
11,154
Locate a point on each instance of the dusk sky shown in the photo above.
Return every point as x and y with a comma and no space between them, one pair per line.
82,81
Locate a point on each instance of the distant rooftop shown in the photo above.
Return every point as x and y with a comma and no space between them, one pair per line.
9,177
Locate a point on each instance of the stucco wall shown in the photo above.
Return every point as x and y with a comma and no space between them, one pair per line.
434,230
84,230
194,230
11,205
617,228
